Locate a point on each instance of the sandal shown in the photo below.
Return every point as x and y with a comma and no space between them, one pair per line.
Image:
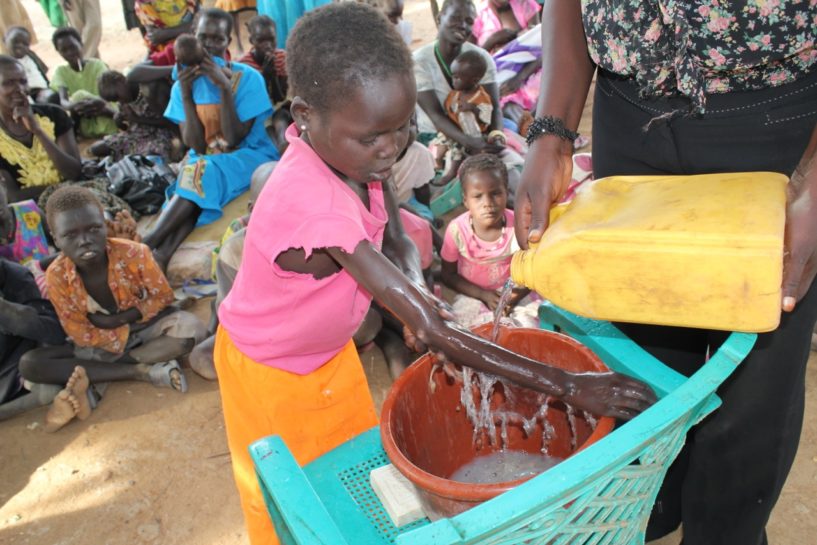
161,374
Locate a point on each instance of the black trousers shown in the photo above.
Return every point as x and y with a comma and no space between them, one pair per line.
728,478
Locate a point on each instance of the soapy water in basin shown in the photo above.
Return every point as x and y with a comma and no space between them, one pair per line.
503,466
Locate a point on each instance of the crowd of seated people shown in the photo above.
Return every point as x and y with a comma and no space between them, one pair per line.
102,310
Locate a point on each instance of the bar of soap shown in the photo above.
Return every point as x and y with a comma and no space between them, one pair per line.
397,494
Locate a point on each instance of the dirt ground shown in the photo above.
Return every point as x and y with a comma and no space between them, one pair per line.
152,466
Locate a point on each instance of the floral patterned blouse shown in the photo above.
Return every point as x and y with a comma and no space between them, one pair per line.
699,47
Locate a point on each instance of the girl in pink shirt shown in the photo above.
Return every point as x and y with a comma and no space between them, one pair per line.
479,244
324,239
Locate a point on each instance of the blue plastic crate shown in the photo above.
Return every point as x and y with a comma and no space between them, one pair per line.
602,495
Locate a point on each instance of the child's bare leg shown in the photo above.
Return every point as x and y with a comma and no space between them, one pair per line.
201,359
56,364
162,349
368,329
41,394
397,354
175,222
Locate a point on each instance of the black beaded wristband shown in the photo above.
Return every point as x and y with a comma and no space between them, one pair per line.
549,125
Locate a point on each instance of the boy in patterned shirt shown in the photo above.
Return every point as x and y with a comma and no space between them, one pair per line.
113,302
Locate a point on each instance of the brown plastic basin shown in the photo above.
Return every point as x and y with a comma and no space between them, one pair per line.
428,436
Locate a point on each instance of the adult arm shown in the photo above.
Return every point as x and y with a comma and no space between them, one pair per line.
566,74
63,152
233,129
499,38
146,72
27,315
159,36
606,393
800,257
16,193
496,113
191,128
513,84
30,322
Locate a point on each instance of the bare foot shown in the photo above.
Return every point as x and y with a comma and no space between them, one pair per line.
78,384
62,411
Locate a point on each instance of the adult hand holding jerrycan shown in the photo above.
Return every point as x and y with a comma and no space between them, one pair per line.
702,251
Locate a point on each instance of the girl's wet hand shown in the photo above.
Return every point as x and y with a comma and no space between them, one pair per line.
609,394
443,310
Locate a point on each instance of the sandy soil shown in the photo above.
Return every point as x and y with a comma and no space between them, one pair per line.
151,466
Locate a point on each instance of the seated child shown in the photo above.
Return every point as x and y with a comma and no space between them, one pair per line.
266,57
18,44
113,302
143,128
226,260
26,321
479,244
76,83
413,173
257,182
221,109
272,63
469,106
312,263
393,10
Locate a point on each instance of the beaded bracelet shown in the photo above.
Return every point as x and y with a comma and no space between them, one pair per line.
549,125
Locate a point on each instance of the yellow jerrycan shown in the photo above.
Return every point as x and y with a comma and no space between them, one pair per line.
692,251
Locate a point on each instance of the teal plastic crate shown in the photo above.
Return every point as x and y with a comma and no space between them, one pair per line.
602,495
448,199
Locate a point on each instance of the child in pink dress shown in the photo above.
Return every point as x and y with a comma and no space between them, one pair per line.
323,240
478,247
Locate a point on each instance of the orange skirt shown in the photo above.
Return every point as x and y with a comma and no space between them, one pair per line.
312,413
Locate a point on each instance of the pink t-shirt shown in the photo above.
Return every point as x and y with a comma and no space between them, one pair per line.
486,264
487,22
419,231
288,320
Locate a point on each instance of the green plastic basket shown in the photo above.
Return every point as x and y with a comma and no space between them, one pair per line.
602,495
448,199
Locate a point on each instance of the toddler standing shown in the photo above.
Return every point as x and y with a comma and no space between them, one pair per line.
323,240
